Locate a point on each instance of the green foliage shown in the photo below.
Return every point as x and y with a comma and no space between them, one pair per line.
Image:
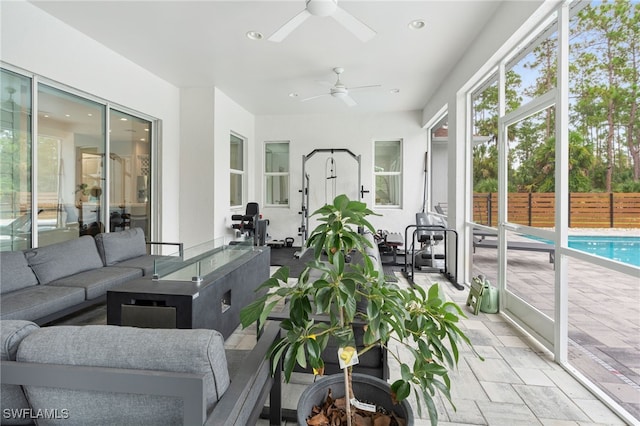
537,173
604,78
342,293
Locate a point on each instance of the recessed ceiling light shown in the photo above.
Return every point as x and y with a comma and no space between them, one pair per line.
141,139
67,115
293,95
254,35
90,115
123,119
417,24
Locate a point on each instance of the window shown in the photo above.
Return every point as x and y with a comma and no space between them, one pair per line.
15,162
71,146
236,171
276,173
484,147
388,173
130,195
87,178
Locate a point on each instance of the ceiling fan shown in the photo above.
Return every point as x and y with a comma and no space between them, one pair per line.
325,8
340,91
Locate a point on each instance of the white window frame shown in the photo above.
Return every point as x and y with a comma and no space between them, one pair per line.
237,172
388,173
277,174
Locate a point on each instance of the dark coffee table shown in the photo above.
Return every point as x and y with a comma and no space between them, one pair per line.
211,301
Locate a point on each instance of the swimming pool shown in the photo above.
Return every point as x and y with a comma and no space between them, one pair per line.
622,249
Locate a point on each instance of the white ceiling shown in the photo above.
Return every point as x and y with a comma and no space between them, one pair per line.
203,44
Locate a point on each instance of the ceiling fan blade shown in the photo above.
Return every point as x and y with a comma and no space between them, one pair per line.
314,97
353,24
348,100
364,87
287,28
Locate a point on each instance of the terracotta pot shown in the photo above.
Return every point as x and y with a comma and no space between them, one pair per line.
366,388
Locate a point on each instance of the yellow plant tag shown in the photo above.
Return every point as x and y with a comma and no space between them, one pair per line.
347,356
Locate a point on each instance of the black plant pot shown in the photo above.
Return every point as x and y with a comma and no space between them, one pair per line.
366,388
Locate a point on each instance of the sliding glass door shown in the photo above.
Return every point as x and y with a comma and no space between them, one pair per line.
71,170
15,162
130,170
78,189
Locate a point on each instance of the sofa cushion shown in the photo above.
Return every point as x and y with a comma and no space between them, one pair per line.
115,247
63,259
97,282
191,351
15,272
145,263
12,332
38,301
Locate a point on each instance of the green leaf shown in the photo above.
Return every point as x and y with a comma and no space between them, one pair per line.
252,312
289,361
301,356
405,372
431,407
313,349
400,389
281,274
341,202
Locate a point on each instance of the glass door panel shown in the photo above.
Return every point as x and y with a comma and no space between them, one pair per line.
71,175
130,172
15,162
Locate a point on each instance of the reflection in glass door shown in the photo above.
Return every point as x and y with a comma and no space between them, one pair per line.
15,162
130,172
71,178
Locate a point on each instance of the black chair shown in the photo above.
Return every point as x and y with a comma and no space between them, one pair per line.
248,220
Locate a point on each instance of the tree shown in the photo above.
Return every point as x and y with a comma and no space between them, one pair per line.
608,60
580,163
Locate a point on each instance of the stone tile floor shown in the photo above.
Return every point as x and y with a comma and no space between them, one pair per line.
517,383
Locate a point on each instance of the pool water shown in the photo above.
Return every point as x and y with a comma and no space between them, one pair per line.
622,249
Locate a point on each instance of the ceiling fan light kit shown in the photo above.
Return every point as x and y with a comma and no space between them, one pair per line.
340,91
324,8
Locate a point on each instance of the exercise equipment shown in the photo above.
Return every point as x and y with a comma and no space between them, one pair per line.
303,230
425,235
250,224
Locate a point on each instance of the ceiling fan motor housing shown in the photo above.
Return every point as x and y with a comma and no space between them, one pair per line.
322,7
339,91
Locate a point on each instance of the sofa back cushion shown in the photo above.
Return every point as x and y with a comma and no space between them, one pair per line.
116,247
15,272
190,351
63,259
12,332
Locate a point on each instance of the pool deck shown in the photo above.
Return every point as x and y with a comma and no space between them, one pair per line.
604,315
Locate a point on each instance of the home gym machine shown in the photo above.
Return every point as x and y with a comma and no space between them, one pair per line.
428,233
303,231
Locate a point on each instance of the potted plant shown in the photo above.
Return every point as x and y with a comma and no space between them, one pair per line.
84,191
333,295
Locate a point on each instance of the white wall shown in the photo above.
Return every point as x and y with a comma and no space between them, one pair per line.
229,117
36,42
197,177
356,132
208,117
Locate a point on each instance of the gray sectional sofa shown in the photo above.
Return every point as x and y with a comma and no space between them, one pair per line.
47,283
101,374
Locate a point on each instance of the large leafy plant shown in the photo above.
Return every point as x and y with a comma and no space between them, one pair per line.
331,296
